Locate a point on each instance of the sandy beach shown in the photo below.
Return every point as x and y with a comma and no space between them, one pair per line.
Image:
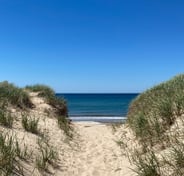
92,151
91,88
55,145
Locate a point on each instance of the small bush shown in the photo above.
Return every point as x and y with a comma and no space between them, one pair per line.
6,118
30,124
10,155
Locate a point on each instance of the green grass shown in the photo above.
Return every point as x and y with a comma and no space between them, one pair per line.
147,165
156,109
151,116
59,105
10,94
64,124
48,155
43,90
48,93
10,155
6,118
176,158
178,155
30,124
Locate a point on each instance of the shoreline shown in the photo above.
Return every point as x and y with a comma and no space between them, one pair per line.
101,119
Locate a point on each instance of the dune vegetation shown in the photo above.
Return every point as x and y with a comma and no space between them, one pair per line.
13,95
152,139
22,118
156,118
49,95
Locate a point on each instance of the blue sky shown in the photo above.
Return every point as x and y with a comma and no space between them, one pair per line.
91,45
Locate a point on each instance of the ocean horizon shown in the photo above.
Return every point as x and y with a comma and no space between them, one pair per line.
101,107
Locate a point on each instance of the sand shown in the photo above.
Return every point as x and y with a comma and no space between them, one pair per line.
93,151
99,154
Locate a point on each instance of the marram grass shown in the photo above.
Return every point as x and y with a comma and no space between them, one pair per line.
12,95
151,116
10,155
154,111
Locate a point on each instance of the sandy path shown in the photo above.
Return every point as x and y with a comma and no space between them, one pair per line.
99,155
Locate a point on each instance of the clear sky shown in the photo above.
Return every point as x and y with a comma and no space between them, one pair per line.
91,45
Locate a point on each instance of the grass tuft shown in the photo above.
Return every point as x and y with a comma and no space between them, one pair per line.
14,96
178,156
6,118
10,155
30,124
64,124
48,155
147,165
43,90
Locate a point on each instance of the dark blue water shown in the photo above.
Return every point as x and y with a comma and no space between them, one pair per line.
98,105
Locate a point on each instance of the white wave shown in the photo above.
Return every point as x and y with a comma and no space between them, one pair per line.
97,118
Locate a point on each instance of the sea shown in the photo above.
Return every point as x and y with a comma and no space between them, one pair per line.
108,107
